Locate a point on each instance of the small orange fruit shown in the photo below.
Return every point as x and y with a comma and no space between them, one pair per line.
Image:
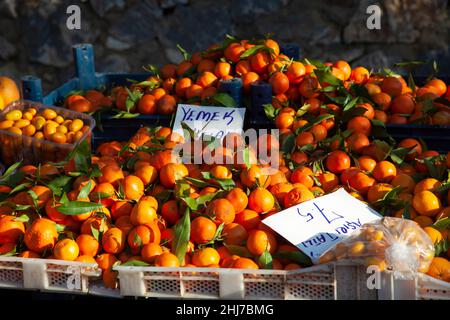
166,105
111,174
30,254
279,82
133,187
361,182
172,172
383,100
378,191
249,219
403,104
440,269
143,212
337,161
121,208
9,91
423,221
238,199
41,235
292,266
142,235
88,245
85,259
106,260
10,230
405,181
384,171
234,234
392,86
113,241
43,195
66,249
439,86
205,257
360,124
147,104
427,184
261,200
250,177
244,263
359,75
427,203
295,72
221,211
151,251
260,241
297,195
435,235
170,212
203,230
167,259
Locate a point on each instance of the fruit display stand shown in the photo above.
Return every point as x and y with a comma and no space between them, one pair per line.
209,193
335,281
46,275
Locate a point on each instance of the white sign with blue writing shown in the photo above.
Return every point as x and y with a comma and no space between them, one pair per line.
319,224
209,120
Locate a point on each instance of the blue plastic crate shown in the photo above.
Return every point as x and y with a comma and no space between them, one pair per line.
292,50
111,128
260,94
436,137
87,78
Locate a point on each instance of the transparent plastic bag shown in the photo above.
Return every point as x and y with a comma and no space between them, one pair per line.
394,244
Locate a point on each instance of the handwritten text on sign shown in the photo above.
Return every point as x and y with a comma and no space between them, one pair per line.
317,225
212,121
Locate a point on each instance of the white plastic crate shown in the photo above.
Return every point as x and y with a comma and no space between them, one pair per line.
417,287
325,282
46,274
334,281
430,288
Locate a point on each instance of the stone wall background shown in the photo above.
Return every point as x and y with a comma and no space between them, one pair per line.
128,34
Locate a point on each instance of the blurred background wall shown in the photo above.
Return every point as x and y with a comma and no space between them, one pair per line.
128,34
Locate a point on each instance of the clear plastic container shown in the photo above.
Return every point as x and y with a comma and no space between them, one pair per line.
29,150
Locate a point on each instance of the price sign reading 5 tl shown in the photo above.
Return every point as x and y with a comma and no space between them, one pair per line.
317,225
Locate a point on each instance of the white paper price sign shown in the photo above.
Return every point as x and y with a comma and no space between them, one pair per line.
317,225
209,120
